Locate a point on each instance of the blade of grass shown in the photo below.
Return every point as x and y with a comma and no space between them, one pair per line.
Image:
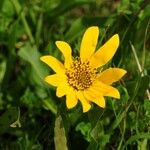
139,66
122,114
144,47
49,104
140,69
136,137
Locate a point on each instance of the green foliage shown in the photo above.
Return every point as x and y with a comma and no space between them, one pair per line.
31,116
59,134
7,119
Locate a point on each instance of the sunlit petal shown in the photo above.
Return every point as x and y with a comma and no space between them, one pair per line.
111,75
95,97
88,44
92,93
85,104
106,90
55,79
66,50
62,90
100,102
71,99
54,63
105,53
113,92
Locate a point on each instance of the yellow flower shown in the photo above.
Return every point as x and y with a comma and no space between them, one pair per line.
78,78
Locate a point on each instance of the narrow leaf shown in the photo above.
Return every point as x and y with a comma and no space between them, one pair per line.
59,135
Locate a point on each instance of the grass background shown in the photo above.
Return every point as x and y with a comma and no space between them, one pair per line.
31,116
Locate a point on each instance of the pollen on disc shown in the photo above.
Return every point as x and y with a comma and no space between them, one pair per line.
80,75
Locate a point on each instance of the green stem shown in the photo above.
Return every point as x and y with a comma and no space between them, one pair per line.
49,106
38,30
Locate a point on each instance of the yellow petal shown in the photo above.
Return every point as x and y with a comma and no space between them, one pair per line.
105,53
85,104
95,97
92,93
113,92
66,50
55,79
106,90
100,102
62,90
71,99
52,62
88,44
111,75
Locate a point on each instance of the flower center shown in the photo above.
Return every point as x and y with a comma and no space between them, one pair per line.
80,75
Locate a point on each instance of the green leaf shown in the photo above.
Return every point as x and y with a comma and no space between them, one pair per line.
99,136
32,56
50,105
7,8
136,137
6,14
95,115
29,99
84,128
97,131
59,135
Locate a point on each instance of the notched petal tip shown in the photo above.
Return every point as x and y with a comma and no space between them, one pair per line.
58,43
52,80
53,63
46,78
119,73
116,36
61,45
117,96
71,104
114,93
86,108
111,75
123,72
93,28
66,50
60,92
101,102
43,58
103,106
116,40
71,99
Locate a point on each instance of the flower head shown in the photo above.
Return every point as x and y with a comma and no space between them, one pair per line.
78,78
